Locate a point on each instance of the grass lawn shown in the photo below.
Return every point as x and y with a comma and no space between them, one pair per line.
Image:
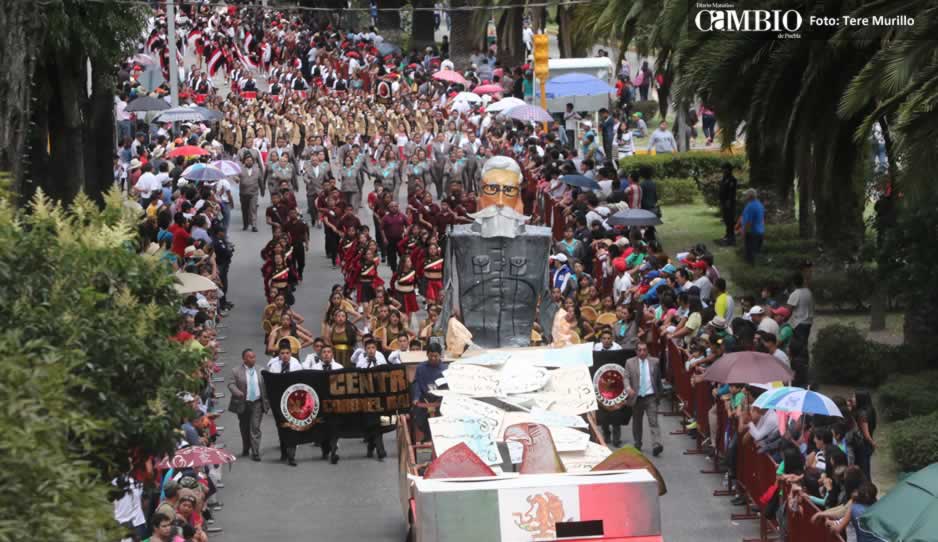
687,225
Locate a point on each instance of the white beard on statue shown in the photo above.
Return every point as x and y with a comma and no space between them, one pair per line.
499,221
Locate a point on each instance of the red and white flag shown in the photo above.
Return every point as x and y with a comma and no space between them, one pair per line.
248,42
246,60
151,41
215,62
194,34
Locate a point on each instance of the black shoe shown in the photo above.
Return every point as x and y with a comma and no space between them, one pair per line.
244,228
334,458
245,453
325,452
656,451
371,450
254,229
291,462
256,457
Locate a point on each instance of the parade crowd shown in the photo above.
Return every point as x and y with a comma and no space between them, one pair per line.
329,122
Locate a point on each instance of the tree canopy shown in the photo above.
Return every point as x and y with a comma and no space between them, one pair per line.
88,374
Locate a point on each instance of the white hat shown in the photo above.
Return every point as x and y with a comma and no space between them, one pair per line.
756,310
134,164
189,250
559,257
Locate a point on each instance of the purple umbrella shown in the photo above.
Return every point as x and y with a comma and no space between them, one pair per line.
744,367
528,113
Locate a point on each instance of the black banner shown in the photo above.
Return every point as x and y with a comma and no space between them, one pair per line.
308,406
608,372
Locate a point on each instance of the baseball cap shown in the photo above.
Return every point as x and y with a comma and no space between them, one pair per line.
718,322
784,312
756,310
559,257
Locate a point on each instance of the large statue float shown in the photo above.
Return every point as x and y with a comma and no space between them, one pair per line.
496,267
514,453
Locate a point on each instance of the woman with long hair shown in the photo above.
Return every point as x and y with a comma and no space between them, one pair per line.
342,336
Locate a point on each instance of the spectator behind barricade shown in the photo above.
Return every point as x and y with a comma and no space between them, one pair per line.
863,414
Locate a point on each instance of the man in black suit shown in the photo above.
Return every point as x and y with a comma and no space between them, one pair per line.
644,386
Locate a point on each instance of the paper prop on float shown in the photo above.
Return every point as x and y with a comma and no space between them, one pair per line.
629,458
496,267
457,462
539,454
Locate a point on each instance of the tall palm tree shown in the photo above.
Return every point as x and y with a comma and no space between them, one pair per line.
898,88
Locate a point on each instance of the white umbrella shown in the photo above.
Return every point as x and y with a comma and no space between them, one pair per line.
227,167
503,104
470,97
189,283
460,106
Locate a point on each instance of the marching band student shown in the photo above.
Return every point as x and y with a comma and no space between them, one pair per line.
326,362
433,271
285,363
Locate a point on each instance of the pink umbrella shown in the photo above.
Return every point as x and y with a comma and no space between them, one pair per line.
451,77
526,113
747,366
488,89
196,456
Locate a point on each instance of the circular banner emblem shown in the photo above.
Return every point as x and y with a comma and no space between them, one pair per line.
609,383
299,405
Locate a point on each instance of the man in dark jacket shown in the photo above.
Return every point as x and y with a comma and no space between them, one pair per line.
728,204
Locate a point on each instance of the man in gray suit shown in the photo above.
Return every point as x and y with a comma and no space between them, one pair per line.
644,385
249,402
249,185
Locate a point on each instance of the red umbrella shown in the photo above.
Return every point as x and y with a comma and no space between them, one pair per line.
488,89
196,456
187,151
746,367
353,54
450,76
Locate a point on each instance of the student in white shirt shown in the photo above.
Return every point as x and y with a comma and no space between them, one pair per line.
284,362
325,361
606,344
369,357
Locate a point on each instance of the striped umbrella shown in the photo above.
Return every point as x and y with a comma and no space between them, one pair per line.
773,394
229,168
806,402
203,172
528,113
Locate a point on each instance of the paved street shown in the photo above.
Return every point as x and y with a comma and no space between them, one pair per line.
358,498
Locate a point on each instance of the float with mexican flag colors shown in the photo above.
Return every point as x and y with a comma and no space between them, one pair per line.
509,450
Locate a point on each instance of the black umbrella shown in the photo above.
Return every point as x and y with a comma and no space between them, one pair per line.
147,103
634,217
581,181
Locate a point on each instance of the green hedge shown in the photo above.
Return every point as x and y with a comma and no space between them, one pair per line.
842,355
685,165
914,442
676,191
648,109
904,396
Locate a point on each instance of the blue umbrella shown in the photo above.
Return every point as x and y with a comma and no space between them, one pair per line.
581,181
804,401
577,84
385,48
203,172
